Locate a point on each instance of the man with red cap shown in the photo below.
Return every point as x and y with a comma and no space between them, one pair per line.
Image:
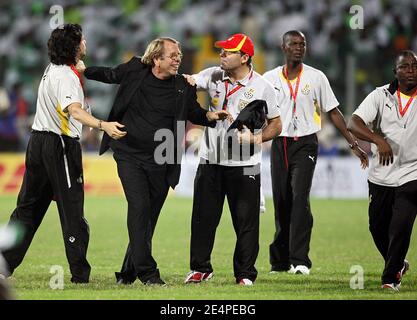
231,86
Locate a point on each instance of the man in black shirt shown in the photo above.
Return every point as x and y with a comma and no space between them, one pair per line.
151,97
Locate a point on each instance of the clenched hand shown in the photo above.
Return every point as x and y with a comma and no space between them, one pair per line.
112,129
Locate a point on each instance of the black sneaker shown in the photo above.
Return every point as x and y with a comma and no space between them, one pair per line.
122,281
124,278
155,281
78,280
280,268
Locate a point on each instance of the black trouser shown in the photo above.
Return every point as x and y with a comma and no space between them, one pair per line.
49,174
392,211
146,189
212,183
292,167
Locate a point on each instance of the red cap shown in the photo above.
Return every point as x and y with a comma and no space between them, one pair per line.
237,42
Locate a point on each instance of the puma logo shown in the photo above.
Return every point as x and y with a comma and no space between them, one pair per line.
252,177
68,97
388,106
312,158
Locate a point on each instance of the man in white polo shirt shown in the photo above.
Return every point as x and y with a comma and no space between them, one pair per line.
231,86
392,111
303,94
53,157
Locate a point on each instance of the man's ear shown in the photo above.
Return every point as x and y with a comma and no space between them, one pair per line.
247,58
394,70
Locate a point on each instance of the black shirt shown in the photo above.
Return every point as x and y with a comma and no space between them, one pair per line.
152,108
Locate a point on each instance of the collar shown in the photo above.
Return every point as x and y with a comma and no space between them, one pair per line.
281,73
243,82
393,86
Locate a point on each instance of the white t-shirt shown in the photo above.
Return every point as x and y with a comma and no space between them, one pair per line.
59,87
214,144
314,96
381,109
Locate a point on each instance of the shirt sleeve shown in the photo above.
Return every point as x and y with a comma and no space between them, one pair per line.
327,99
202,79
268,76
271,101
368,109
69,92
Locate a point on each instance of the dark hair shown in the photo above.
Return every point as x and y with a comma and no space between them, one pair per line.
249,62
291,33
404,53
64,43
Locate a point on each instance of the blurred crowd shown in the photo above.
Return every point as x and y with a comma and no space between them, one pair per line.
354,60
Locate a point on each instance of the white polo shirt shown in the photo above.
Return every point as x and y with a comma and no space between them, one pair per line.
314,96
381,109
214,145
59,87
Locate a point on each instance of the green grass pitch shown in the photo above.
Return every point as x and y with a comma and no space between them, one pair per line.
340,240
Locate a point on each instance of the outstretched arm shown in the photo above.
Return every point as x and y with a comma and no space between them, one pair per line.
339,122
197,115
111,128
104,74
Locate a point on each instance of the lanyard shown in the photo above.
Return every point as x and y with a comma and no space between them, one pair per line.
228,94
293,94
403,111
88,108
78,75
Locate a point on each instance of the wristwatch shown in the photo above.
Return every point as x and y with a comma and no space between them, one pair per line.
353,144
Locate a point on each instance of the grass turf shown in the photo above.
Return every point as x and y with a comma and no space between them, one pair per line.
340,240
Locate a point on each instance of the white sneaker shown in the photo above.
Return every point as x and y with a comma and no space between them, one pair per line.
291,270
245,282
302,270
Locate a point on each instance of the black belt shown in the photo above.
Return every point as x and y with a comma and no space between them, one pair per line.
53,133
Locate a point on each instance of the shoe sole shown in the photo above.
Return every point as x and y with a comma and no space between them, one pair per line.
390,288
155,285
